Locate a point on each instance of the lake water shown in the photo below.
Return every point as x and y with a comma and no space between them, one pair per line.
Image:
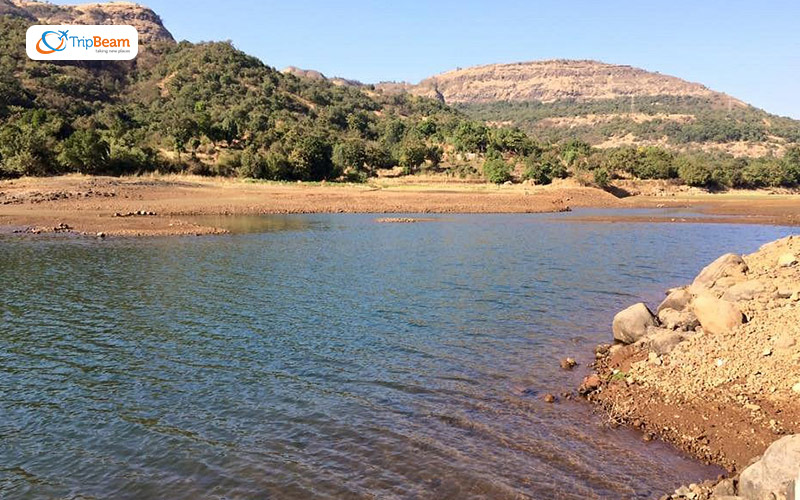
330,356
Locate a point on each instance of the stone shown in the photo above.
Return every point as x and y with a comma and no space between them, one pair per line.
677,299
660,340
726,487
787,260
631,324
653,359
678,320
101,235
729,265
746,290
796,388
590,384
774,473
784,342
549,398
716,315
568,363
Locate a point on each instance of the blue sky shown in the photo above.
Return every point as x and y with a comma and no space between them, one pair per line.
749,49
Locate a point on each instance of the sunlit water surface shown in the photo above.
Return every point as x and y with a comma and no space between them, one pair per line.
330,356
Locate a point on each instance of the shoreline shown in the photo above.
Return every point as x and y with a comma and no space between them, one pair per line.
157,205
714,370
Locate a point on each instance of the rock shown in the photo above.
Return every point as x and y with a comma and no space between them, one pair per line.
774,473
653,359
662,341
785,342
746,290
568,363
677,320
726,487
590,384
631,324
677,299
796,388
549,398
787,260
715,315
728,265
101,235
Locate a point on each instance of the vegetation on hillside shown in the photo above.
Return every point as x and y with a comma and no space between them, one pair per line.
211,109
708,121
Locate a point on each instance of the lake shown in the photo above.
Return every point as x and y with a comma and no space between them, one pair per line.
330,356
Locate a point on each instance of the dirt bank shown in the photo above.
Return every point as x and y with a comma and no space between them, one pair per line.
114,206
716,369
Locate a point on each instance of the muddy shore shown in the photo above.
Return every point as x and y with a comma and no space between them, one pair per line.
715,368
163,205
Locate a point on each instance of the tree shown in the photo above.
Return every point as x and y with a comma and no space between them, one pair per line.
471,137
85,151
412,154
350,155
496,170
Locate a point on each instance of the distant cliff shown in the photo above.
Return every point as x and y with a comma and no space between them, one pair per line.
147,22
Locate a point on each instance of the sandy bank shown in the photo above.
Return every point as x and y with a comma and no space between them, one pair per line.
86,204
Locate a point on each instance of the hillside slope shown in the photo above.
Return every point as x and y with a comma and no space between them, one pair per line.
143,19
610,105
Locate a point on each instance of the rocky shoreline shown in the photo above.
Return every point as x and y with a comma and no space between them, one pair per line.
716,372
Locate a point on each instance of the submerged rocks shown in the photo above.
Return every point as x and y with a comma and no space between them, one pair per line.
568,364
716,315
631,324
775,473
729,265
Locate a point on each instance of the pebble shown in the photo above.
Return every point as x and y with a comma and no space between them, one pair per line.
796,388
568,363
549,398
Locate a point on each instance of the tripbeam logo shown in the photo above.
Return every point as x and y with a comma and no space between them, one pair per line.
79,42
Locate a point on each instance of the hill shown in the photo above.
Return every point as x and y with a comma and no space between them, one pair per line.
143,19
210,109
610,105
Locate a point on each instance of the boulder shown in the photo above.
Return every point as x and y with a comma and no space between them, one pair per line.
661,341
746,290
716,315
787,260
677,320
677,299
631,324
774,473
729,265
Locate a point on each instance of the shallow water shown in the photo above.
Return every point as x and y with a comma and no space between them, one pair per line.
331,356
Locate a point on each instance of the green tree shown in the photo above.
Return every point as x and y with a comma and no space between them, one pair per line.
496,170
86,152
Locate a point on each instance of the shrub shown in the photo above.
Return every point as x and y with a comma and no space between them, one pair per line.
602,178
496,170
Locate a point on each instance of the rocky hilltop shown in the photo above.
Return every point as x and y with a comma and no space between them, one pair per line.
548,81
716,370
147,22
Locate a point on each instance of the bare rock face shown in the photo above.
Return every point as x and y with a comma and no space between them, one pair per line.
775,473
716,315
146,22
631,324
554,80
729,265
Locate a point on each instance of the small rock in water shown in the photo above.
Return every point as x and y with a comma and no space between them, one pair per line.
549,398
101,235
590,384
568,363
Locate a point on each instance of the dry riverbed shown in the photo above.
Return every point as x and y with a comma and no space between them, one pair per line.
163,205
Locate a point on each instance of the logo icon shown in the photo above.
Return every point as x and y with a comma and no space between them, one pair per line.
61,37
106,42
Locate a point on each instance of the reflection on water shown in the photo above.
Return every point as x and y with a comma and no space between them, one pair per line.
331,357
